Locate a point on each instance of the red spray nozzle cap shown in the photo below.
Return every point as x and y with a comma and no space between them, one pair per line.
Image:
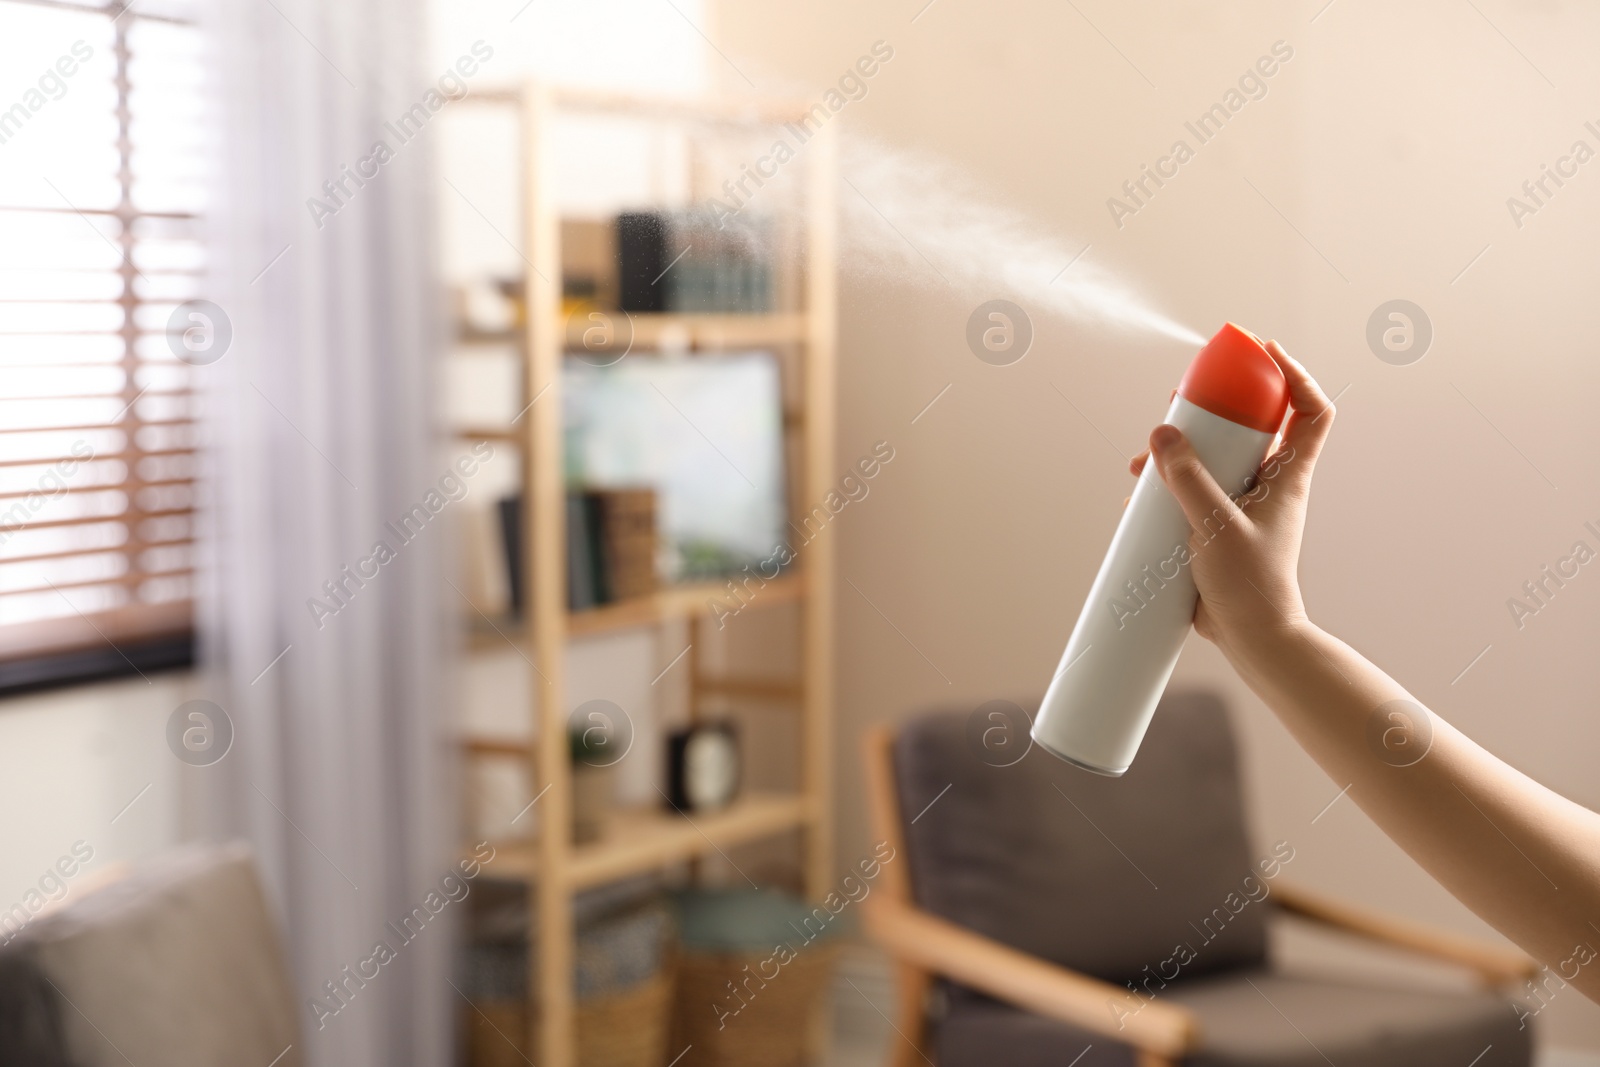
1234,377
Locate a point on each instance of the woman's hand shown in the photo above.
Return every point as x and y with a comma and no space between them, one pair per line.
1518,854
1247,572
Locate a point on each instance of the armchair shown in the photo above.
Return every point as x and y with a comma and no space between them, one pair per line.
1124,921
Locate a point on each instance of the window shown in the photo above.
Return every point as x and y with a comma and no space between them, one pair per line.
100,190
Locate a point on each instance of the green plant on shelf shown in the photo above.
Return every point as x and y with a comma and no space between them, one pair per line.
706,560
593,746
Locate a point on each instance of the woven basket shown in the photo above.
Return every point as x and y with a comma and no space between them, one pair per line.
773,1028
623,1029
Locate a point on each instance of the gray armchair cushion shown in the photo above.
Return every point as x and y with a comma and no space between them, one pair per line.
1104,875
177,964
1261,1019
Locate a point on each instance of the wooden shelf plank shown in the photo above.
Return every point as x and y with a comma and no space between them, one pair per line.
676,602
646,839
685,601
468,336
510,434
516,438
500,634
656,330
652,330
506,748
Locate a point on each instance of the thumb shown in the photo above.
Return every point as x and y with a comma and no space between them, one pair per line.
1188,480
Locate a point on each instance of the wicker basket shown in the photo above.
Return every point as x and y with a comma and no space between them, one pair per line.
623,1029
773,1028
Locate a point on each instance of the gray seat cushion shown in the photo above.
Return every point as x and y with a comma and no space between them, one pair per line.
1260,1019
1103,875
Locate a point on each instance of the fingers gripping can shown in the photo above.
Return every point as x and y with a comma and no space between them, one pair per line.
1229,405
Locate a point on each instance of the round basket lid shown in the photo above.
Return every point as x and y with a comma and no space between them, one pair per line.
747,920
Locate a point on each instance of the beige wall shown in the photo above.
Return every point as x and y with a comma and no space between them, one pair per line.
88,764
1391,142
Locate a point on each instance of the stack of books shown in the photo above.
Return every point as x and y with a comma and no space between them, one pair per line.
611,546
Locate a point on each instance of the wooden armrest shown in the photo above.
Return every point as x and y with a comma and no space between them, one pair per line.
917,937
1493,963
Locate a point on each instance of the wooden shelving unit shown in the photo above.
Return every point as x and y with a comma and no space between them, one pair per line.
656,838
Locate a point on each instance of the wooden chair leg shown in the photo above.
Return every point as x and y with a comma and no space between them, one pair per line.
911,997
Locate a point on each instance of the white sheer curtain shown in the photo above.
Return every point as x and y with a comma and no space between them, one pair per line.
320,431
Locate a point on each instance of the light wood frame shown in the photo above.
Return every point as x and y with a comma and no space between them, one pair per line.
924,945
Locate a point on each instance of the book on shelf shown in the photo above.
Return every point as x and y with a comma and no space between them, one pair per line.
686,261
641,261
511,548
626,534
611,546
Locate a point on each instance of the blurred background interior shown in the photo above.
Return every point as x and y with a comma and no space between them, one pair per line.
525,537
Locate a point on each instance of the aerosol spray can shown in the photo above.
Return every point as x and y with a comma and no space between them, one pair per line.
1229,405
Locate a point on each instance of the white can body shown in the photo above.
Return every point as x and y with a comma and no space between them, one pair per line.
1140,607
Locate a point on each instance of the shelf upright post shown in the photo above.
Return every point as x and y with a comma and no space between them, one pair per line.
817,558
552,1015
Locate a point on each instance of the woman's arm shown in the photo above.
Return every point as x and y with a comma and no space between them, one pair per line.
1524,858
